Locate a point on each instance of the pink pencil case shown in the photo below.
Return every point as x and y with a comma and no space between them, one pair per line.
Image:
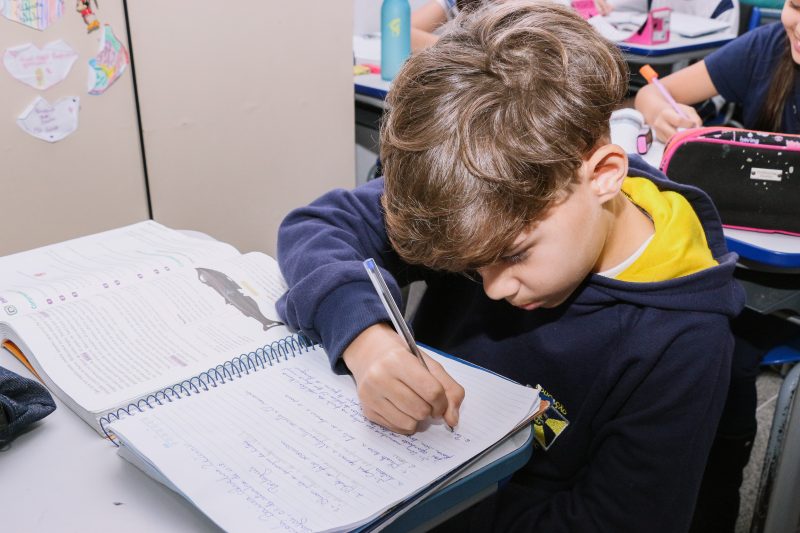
655,30
753,177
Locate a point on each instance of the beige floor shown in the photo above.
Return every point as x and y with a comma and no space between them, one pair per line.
767,385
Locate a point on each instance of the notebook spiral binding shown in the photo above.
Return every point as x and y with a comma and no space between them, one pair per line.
243,364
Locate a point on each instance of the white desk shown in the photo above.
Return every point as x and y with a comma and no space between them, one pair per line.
63,477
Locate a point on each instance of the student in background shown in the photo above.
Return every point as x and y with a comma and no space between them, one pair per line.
757,71
537,240
428,18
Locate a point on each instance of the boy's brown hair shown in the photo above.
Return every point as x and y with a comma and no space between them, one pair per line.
487,127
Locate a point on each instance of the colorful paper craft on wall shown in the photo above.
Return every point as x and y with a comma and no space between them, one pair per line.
40,68
109,64
38,14
48,122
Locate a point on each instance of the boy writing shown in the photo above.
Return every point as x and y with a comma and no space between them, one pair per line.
603,281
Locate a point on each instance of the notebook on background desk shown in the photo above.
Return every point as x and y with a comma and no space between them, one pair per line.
693,26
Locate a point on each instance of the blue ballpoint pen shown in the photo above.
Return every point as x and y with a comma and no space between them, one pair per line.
394,312
391,306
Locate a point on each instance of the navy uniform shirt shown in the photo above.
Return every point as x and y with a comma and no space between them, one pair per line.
742,71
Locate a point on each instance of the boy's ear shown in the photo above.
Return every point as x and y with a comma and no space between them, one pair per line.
607,168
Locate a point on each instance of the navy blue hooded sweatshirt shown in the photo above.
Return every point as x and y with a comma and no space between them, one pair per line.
640,370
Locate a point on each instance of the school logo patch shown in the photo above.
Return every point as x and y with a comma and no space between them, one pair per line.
548,426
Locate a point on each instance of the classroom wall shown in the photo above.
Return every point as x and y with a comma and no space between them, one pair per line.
247,110
88,182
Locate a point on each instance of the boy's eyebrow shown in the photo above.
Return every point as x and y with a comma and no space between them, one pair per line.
517,246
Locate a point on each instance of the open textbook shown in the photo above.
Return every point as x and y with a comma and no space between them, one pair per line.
171,344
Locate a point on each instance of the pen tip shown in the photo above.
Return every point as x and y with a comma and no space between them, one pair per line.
450,428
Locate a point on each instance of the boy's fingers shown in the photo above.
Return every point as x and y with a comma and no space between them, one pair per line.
454,393
392,419
410,401
424,384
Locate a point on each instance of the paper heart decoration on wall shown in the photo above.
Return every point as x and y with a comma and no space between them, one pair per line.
48,122
38,14
40,68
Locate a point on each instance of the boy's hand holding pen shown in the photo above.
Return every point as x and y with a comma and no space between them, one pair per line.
397,391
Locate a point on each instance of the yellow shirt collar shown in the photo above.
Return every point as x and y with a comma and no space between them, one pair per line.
679,246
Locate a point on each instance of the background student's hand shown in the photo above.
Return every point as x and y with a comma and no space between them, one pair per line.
394,388
667,121
603,7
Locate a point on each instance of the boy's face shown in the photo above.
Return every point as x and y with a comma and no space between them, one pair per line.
548,261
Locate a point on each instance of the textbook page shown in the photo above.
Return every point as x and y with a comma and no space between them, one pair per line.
288,448
68,271
108,349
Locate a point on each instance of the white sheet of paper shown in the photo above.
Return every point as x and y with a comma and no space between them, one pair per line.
608,30
289,449
694,26
40,68
50,122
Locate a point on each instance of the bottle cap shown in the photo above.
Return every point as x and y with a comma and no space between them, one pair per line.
648,73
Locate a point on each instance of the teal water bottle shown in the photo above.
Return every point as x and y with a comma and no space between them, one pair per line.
395,36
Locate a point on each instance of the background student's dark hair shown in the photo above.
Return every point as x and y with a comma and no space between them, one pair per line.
770,117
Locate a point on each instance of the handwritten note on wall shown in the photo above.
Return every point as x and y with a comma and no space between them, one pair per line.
38,14
40,68
50,122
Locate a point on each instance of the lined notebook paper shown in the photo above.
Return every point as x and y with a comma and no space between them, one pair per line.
288,448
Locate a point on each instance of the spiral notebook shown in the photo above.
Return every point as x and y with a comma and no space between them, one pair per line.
171,345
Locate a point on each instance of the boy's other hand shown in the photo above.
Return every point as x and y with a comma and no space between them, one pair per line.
394,388
668,121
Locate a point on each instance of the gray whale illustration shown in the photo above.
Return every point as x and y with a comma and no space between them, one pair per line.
234,295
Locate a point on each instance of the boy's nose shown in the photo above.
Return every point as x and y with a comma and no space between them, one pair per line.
496,283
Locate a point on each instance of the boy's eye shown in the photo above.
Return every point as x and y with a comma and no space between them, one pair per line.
516,258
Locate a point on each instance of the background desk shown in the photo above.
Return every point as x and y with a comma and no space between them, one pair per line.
370,90
678,52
